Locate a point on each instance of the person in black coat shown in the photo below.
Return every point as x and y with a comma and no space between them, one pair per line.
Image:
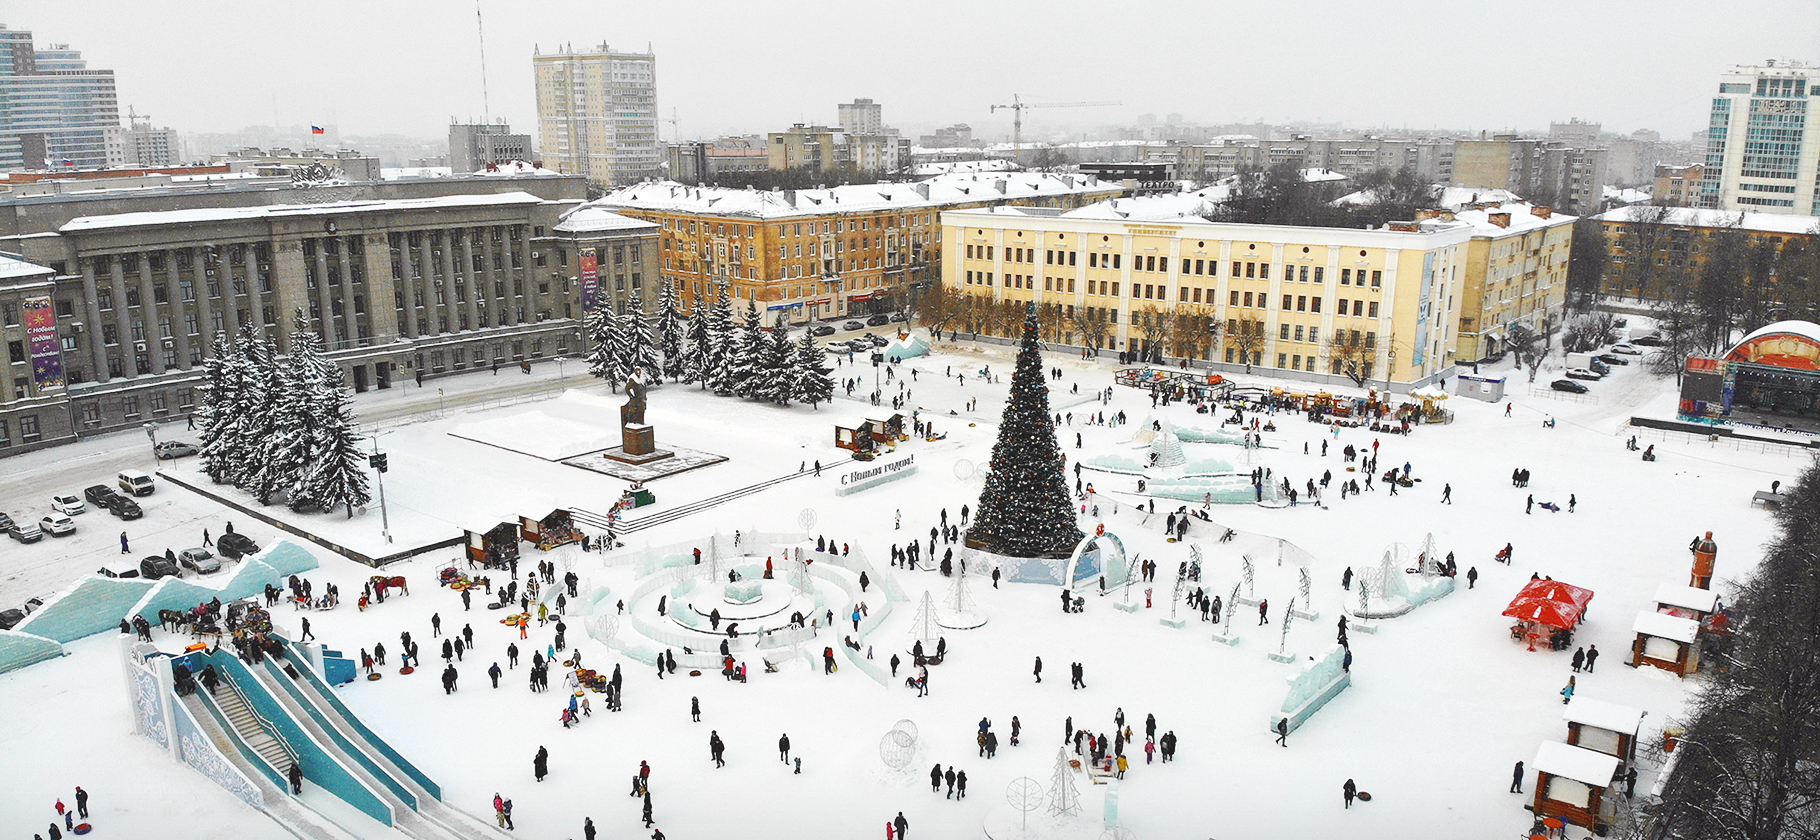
935,778
1349,790
541,764
296,776
903,826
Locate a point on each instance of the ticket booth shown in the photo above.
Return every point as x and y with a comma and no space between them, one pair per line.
886,430
1667,642
1573,784
1608,728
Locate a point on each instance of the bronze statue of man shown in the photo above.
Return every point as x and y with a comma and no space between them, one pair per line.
634,409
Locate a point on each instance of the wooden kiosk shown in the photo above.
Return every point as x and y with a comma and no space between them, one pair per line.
1686,601
555,529
1667,642
856,440
1571,784
491,544
1603,727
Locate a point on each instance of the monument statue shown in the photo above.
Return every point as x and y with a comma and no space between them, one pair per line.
634,409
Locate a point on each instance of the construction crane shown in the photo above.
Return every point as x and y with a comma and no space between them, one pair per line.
1017,107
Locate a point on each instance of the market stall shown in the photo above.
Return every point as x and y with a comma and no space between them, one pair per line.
555,529
1547,611
492,544
1667,642
1572,784
1686,601
1604,727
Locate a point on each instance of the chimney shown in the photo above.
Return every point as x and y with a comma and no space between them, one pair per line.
1541,211
1500,219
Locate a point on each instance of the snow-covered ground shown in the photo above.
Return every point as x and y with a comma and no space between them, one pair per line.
1442,702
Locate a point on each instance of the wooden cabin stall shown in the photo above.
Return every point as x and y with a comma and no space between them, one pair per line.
1686,601
1667,642
491,544
1574,784
1604,727
856,440
550,531
887,430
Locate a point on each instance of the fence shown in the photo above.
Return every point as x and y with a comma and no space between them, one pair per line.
1546,392
1724,441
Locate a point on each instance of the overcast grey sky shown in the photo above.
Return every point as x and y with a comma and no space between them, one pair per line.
407,66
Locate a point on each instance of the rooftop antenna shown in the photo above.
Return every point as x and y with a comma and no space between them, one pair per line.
486,106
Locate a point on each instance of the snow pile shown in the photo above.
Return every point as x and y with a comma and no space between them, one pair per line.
1200,434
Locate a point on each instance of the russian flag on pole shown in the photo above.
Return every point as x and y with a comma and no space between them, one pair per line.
316,129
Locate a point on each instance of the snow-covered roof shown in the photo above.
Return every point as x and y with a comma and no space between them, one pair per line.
1805,329
1623,195
1665,626
1688,597
948,167
1598,713
13,266
940,191
391,173
1522,219
1706,218
1577,763
1153,208
275,211
586,219
516,169
1445,197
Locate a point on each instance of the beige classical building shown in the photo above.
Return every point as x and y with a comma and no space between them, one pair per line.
1116,276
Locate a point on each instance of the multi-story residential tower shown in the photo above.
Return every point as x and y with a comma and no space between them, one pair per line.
862,116
1760,153
597,114
54,110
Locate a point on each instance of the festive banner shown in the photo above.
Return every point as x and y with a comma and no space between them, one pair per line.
590,278
41,338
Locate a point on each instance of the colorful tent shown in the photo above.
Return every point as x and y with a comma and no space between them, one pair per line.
1544,611
1554,590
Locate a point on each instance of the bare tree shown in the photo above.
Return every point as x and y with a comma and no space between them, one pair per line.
1645,251
1348,354
1589,331
1586,264
1248,338
1529,346
1090,321
1194,330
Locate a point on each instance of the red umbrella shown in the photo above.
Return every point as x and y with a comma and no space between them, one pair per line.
1554,590
1544,611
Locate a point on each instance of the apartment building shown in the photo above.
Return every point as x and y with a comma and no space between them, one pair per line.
1679,186
597,113
1572,177
861,116
1117,277
1760,155
1516,273
1220,157
403,279
820,148
825,253
1680,241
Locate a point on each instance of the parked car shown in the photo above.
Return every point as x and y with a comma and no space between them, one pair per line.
25,532
198,560
32,605
1626,349
1601,367
1568,385
1651,340
235,546
877,321
899,317
878,340
174,449
68,504
11,618
124,507
821,330
853,325
114,570
157,566
837,347
135,483
57,524
99,494
1584,373
1612,359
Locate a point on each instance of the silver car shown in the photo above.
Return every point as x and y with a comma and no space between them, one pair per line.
198,560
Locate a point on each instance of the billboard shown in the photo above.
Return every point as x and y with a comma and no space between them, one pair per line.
590,278
41,340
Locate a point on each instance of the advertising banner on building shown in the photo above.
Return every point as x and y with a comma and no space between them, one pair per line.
590,278
41,340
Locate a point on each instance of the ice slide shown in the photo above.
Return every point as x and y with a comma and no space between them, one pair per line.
356,785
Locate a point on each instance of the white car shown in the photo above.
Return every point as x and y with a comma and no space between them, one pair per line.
1627,349
1584,373
57,525
68,504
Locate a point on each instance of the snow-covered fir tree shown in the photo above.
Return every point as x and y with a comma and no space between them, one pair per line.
810,379
222,373
336,476
747,359
698,350
602,329
290,429
638,347
254,412
670,333
722,344
775,373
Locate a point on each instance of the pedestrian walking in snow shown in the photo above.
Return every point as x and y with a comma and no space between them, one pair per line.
1592,655
1579,659
903,826
783,748
935,778
1567,693
1472,576
960,785
1039,668
1283,731
949,778
717,749
1346,579
1516,779
1530,504
1447,494
540,765
1264,612
1349,790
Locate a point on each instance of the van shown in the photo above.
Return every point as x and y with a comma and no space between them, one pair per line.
135,483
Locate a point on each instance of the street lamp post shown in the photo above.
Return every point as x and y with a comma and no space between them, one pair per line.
378,461
151,431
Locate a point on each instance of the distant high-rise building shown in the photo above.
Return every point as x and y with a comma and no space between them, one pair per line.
1759,153
54,111
1576,132
862,116
597,114
474,145
145,146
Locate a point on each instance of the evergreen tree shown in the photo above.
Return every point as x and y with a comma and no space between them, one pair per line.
721,345
637,347
811,380
695,358
336,475
1025,510
221,385
254,411
602,328
747,358
670,333
288,428
776,370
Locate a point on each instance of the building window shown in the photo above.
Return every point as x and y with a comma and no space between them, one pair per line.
1372,310
28,428
1283,332
1282,360
159,402
129,406
91,412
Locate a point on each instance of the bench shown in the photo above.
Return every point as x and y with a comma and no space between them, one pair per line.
1768,499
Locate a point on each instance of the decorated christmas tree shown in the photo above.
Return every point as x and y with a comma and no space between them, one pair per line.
811,380
1024,510
670,332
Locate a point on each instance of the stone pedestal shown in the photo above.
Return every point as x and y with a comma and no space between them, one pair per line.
638,439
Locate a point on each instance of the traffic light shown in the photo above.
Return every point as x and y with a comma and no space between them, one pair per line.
377,460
